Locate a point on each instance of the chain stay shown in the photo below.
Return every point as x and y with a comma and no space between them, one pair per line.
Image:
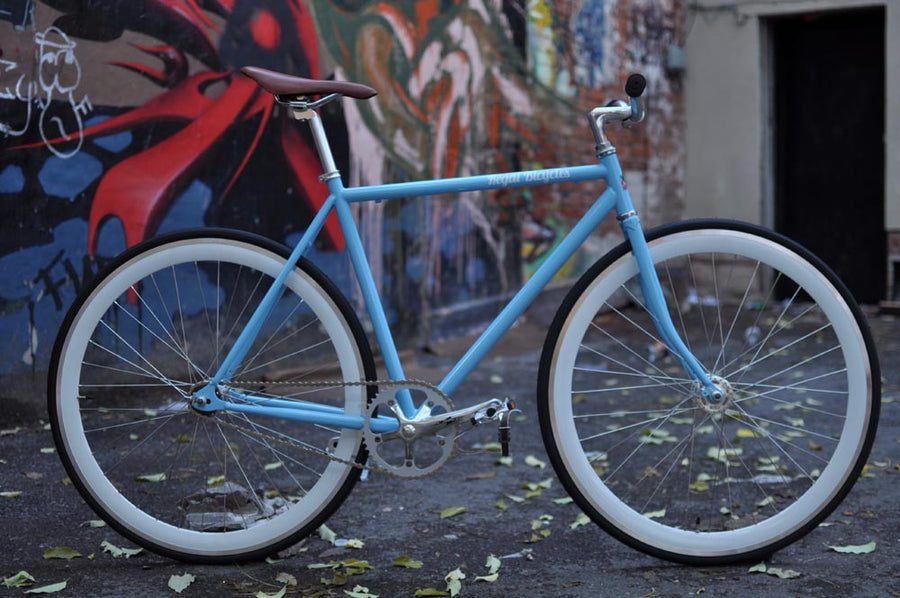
327,384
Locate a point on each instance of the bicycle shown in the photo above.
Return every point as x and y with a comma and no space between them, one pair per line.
214,398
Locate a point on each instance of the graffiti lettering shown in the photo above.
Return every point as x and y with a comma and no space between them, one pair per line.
58,77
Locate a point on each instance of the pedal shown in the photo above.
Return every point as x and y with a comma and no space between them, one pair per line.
503,429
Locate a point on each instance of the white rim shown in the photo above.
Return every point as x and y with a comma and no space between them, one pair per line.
81,457
833,477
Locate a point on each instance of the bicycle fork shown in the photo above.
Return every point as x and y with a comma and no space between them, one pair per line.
659,312
710,390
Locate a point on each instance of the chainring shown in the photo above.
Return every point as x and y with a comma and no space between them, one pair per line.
406,453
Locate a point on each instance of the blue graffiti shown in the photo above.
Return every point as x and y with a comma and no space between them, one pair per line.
590,33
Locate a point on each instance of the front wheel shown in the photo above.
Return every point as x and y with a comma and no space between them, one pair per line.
152,329
660,468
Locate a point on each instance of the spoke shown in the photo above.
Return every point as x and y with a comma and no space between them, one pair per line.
257,439
159,375
180,351
641,445
656,378
278,329
732,452
787,454
773,422
283,357
737,313
622,412
237,319
747,366
759,344
621,388
159,418
141,373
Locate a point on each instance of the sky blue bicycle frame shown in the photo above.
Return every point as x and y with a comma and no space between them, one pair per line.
615,197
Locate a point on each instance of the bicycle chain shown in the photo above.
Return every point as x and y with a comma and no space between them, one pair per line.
331,383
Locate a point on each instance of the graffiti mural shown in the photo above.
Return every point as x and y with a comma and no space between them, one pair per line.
121,120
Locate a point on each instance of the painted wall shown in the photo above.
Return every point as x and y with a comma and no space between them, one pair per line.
727,90
125,119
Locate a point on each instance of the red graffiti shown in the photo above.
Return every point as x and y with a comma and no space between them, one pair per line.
139,189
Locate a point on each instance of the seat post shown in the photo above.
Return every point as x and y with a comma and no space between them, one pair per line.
305,112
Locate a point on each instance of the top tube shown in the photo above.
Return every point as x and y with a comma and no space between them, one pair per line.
529,178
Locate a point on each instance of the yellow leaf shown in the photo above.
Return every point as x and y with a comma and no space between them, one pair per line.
407,562
61,552
452,512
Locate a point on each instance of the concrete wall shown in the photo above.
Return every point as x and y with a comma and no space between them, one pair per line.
122,120
727,94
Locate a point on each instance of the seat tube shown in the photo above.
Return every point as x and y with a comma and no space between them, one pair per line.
372,299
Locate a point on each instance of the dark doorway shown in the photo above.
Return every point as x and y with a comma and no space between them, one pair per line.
829,141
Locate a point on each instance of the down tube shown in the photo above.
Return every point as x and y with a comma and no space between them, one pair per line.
526,295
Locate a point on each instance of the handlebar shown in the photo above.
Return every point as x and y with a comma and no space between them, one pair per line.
628,114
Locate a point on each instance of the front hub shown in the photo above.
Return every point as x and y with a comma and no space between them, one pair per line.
715,402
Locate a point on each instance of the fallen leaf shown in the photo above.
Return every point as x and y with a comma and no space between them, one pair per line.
563,501
94,523
19,580
655,514
354,566
783,573
338,579
62,552
774,571
179,583
286,578
354,543
279,594
757,568
326,534
452,512
48,450
580,520
360,592
454,581
482,476
430,592
407,562
492,563
11,494
533,461
151,477
50,589
854,549
215,481
117,552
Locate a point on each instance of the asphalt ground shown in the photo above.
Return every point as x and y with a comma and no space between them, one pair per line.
395,518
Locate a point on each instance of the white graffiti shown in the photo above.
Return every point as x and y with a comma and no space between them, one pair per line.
58,77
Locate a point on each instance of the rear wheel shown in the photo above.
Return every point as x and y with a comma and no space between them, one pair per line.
652,462
154,327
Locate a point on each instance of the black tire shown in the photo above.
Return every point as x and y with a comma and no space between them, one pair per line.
683,490
143,339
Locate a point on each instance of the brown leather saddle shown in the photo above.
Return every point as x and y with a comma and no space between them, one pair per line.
287,87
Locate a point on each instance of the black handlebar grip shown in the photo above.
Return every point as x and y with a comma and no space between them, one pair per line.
635,85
